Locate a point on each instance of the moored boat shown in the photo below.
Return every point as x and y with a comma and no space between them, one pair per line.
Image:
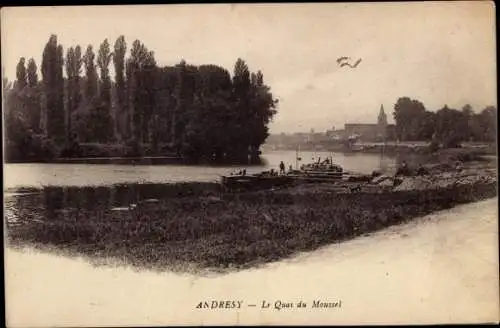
319,171
263,180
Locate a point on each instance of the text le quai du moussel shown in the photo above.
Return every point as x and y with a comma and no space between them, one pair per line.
274,305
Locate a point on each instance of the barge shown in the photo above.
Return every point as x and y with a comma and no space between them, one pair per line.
255,181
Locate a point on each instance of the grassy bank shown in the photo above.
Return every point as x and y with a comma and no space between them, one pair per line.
230,230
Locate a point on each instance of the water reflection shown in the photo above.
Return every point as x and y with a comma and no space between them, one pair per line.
51,201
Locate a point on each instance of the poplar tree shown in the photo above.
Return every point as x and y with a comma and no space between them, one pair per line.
33,96
53,90
120,49
21,75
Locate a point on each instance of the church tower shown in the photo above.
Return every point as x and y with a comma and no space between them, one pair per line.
382,123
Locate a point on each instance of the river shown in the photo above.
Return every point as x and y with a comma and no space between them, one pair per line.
37,175
442,268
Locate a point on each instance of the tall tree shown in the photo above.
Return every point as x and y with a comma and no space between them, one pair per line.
141,78
15,125
60,94
487,121
137,53
241,98
185,109
88,119
146,100
120,49
263,108
70,86
103,61
73,90
410,118
427,126
450,124
209,116
33,96
166,103
53,86
180,99
241,77
104,114
91,78
18,94
77,71
32,73
21,75
469,117
131,86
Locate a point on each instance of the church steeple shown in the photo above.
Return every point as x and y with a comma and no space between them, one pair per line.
382,123
382,117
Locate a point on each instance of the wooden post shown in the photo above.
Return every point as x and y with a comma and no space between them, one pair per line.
297,158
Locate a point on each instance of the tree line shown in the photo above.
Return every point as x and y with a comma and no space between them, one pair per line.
193,111
447,127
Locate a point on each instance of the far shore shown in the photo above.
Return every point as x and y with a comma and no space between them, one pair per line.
388,149
379,147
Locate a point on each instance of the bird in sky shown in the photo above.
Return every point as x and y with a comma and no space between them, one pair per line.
351,66
341,59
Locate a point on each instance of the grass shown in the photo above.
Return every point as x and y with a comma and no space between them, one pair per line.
233,231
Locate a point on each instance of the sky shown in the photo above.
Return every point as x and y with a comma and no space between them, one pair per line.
437,52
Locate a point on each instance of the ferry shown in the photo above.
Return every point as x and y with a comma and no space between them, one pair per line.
264,180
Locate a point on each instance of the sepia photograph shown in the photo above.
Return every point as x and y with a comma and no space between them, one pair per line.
250,164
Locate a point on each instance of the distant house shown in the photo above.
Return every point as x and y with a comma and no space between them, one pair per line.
336,134
367,132
379,131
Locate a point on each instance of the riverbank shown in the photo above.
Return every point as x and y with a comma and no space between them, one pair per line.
411,151
440,269
121,154
231,231
393,148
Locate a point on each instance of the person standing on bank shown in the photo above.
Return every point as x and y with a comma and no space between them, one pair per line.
282,168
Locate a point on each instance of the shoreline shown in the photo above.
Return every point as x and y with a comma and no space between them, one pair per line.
476,151
206,230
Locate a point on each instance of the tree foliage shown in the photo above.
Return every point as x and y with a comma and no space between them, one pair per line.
409,115
21,75
451,125
447,126
32,73
91,78
53,90
120,50
200,112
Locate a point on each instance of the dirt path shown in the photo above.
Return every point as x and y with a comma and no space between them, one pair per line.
439,269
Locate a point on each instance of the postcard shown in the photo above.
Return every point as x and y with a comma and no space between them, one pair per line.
250,164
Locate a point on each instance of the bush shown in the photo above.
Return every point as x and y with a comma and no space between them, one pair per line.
30,147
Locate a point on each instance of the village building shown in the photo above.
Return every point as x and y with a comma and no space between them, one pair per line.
369,132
